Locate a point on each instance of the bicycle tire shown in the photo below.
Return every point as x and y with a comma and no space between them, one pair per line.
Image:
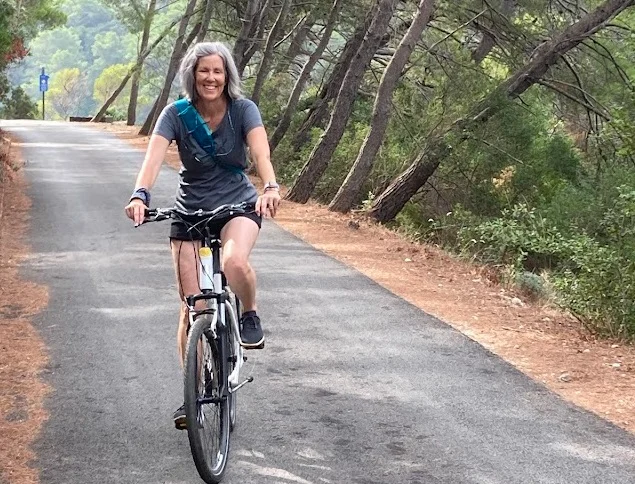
207,424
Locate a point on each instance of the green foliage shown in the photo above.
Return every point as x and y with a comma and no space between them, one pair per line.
276,93
90,41
6,38
520,238
17,26
595,280
66,88
341,161
108,81
18,106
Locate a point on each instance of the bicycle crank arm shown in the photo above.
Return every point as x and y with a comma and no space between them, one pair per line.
238,387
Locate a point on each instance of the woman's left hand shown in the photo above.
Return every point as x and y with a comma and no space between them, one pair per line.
268,203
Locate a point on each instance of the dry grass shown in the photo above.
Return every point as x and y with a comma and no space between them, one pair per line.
22,352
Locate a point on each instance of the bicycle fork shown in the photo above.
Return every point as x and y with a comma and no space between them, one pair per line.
238,352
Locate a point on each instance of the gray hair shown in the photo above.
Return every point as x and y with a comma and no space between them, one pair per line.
189,63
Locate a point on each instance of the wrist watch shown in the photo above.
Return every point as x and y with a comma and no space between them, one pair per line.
271,185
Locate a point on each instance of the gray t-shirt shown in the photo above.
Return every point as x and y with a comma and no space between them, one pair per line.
203,181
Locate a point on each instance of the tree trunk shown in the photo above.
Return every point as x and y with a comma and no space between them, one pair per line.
319,111
289,109
243,39
257,34
207,18
151,118
489,41
392,200
102,111
321,155
199,30
295,47
350,189
265,61
175,59
134,87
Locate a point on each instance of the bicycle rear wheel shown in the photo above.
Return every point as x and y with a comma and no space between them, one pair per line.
208,424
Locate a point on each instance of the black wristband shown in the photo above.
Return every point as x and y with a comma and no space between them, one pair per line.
142,194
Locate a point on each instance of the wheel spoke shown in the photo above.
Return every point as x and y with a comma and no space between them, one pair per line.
209,432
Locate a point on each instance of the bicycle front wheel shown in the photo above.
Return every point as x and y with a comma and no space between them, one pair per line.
207,411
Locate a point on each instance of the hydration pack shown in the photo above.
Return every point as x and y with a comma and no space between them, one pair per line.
196,127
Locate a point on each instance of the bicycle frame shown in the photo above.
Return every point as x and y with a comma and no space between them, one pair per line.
219,303
219,324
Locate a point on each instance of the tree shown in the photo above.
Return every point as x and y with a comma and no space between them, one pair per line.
102,111
203,25
256,35
18,106
301,29
300,83
265,59
110,48
386,206
319,109
250,20
180,45
66,87
350,189
108,82
319,159
57,49
136,76
489,35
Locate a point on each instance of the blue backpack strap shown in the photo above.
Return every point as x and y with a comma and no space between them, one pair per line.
195,125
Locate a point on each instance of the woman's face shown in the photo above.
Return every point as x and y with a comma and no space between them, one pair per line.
210,77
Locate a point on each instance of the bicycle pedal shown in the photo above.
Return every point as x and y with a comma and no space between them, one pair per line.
240,385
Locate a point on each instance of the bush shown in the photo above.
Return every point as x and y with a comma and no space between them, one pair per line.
18,106
594,279
117,114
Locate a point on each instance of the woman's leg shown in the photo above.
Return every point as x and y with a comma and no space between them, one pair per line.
185,257
239,237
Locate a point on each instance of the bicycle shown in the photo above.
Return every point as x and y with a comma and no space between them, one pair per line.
214,352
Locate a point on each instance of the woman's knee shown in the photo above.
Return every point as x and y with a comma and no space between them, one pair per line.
236,265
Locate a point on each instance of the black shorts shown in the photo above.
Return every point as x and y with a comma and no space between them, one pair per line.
178,229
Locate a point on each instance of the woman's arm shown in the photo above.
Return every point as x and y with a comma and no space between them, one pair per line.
155,154
269,201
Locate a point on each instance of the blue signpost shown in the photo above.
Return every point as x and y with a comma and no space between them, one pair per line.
44,86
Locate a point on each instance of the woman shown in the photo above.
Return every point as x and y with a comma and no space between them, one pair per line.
211,176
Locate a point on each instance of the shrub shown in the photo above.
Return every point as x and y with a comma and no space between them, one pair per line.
18,106
594,279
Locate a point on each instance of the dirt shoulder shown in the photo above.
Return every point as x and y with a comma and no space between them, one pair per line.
546,344
22,352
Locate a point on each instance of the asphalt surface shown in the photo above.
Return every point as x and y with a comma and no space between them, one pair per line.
355,385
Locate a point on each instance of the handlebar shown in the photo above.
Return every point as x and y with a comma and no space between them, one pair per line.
227,210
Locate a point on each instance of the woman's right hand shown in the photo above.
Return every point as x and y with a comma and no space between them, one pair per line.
135,210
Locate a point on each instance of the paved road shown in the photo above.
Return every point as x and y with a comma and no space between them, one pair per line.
355,385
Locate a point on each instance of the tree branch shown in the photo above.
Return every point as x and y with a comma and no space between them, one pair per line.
548,84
